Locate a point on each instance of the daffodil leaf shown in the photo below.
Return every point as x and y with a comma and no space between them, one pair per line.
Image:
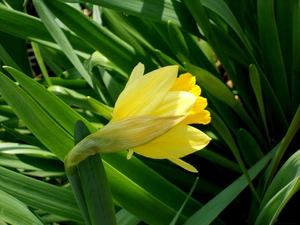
80,132
286,19
126,218
292,131
178,43
249,147
173,222
58,35
296,57
97,191
215,39
93,192
222,10
99,37
199,13
5,57
15,47
26,138
285,184
40,61
271,53
256,85
71,97
214,157
175,11
207,51
66,115
166,60
13,22
100,108
27,109
24,149
118,23
40,195
220,126
214,207
15,212
57,61
231,47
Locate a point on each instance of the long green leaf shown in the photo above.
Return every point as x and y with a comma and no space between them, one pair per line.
97,36
285,13
65,116
173,222
61,39
126,218
222,10
151,9
43,126
74,98
5,57
178,42
222,129
217,41
40,195
15,212
118,24
285,184
120,170
40,61
197,9
213,208
16,148
296,57
16,47
255,82
13,22
271,52
95,185
249,147
292,131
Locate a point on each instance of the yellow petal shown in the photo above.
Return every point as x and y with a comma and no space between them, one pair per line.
178,142
143,95
136,73
196,90
120,135
202,117
184,82
184,165
198,115
175,103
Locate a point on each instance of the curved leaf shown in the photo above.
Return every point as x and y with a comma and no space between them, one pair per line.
285,184
15,212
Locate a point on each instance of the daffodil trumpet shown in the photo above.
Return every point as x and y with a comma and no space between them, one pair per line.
151,118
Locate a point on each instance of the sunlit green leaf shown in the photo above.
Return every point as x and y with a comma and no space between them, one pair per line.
15,212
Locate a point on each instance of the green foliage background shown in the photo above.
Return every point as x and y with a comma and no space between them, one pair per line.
245,55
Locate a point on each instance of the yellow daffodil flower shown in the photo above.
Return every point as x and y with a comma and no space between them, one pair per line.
151,118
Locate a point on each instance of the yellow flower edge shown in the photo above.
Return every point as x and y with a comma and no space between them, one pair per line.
151,118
